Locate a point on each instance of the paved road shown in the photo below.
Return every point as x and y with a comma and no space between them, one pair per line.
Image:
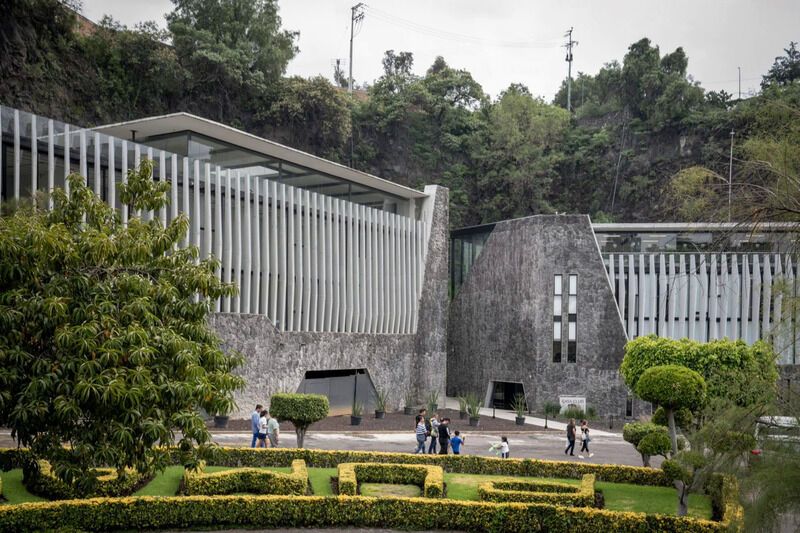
538,445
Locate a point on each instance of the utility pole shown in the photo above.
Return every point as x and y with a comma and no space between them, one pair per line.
568,46
356,15
740,82
730,177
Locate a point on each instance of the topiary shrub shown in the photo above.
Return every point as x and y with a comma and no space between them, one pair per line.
635,432
429,478
301,410
535,491
655,443
672,387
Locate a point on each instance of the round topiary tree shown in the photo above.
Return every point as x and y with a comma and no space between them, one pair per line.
672,387
301,410
683,418
636,432
655,443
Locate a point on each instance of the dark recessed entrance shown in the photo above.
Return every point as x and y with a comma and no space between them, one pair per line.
501,394
343,387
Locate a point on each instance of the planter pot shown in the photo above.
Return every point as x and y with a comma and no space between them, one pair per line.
408,410
520,420
462,415
220,421
355,420
473,421
380,414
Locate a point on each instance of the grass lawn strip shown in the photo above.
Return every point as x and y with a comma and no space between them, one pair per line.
13,489
383,490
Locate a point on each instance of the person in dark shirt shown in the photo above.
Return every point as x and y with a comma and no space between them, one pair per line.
444,436
570,437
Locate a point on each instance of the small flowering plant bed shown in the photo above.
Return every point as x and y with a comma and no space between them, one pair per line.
429,478
246,480
537,491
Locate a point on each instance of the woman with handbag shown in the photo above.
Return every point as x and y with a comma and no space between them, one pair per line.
585,438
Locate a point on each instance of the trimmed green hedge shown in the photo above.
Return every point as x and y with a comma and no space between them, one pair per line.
253,480
462,464
534,491
43,482
344,511
429,478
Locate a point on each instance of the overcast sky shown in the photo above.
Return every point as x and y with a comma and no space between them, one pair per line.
514,41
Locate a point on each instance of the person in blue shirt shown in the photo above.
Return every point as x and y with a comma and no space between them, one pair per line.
456,443
254,419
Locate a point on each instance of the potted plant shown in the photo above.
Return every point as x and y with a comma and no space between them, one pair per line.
551,409
473,409
356,414
409,407
433,402
519,407
462,407
381,399
220,420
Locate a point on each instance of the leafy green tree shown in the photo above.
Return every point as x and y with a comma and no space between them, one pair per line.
234,50
655,443
785,70
301,410
104,344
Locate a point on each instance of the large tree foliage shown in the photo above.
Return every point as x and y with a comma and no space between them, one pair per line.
234,49
786,69
104,345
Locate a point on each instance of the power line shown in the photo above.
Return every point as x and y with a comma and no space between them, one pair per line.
411,25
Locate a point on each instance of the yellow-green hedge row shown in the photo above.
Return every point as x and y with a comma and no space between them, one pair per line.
529,491
429,478
43,482
253,480
463,464
343,511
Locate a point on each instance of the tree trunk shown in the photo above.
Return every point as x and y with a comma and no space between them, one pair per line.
683,498
673,435
646,460
545,421
301,433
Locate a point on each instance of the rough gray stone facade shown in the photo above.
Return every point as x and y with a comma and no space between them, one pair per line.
501,320
277,361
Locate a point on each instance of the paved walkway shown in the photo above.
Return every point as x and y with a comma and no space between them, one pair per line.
529,420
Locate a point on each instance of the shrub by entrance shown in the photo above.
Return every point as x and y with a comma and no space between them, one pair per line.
534,491
254,480
429,478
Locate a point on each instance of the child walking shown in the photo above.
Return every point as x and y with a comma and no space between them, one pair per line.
456,442
501,447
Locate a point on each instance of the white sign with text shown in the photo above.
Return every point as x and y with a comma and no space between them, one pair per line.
577,401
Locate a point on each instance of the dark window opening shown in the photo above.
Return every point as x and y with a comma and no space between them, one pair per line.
571,351
629,407
504,394
557,351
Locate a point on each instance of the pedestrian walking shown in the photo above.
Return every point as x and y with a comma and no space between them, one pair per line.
570,437
273,431
456,442
444,436
421,434
585,439
434,423
254,419
262,429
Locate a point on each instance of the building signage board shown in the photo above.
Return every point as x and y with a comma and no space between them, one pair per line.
577,401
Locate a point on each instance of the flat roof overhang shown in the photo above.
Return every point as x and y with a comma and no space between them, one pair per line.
690,227
181,122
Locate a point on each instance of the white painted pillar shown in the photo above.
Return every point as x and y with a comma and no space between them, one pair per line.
265,247
68,165
316,251
255,247
766,317
227,241
185,204
195,211
323,264
734,298
218,244
83,156
755,312
123,179
642,301
703,325
713,301
331,264
622,297
275,241
148,214
683,288
17,156
632,288
344,286
693,295
207,221
777,310
308,274
672,311
662,299
291,280
724,326
368,250
237,242
173,188
51,162
162,174
35,160
246,246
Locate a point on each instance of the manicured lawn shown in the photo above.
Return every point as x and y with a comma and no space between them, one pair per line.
387,489
618,496
13,489
662,500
